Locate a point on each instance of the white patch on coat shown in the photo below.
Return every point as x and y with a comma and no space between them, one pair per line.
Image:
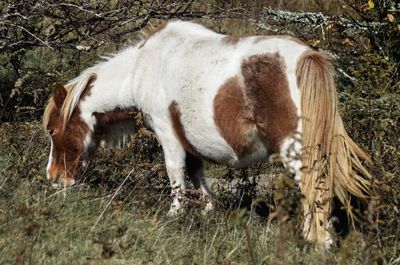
49,163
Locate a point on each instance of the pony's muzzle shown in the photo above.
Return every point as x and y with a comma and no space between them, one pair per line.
59,178
63,182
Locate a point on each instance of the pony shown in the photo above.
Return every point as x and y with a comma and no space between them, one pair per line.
231,100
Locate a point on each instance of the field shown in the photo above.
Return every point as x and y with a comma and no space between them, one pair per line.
118,216
118,212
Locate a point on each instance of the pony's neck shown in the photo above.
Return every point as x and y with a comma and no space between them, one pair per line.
113,88
108,104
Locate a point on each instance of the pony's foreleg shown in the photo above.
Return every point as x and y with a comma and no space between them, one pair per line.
174,156
195,171
177,181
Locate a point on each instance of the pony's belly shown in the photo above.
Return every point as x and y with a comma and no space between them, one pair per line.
257,153
213,147
222,153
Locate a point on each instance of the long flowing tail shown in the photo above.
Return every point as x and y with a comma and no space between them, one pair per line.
331,160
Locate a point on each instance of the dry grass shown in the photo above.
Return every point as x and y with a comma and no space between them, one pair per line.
41,225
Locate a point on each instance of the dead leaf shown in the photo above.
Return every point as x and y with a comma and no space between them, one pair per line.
347,42
315,42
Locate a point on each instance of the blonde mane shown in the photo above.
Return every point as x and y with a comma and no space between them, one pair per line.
75,89
47,111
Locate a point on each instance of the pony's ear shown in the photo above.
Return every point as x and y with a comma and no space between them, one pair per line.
59,94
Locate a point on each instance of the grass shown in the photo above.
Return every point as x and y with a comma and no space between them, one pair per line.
98,223
47,226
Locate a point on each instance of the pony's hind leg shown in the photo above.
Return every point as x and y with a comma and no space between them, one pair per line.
315,204
290,154
195,171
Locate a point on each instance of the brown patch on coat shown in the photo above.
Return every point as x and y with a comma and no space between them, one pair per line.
283,37
116,116
232,116
175,115
68,142
268,95
263,101
231,40
104,119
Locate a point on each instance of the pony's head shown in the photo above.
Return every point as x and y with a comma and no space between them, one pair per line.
69,139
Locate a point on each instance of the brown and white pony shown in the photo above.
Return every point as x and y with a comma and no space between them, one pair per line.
231,100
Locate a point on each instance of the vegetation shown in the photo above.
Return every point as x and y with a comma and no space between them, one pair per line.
118,214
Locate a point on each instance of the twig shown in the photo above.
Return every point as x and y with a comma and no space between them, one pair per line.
27,31
340,70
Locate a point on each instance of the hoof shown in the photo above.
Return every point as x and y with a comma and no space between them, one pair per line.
322,239
326,243
175,212
176,209
208,208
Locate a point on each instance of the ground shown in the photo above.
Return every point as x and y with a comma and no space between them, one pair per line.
118,215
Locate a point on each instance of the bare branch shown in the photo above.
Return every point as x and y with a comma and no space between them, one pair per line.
27,31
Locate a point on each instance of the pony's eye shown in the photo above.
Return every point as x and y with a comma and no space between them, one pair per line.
51,132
